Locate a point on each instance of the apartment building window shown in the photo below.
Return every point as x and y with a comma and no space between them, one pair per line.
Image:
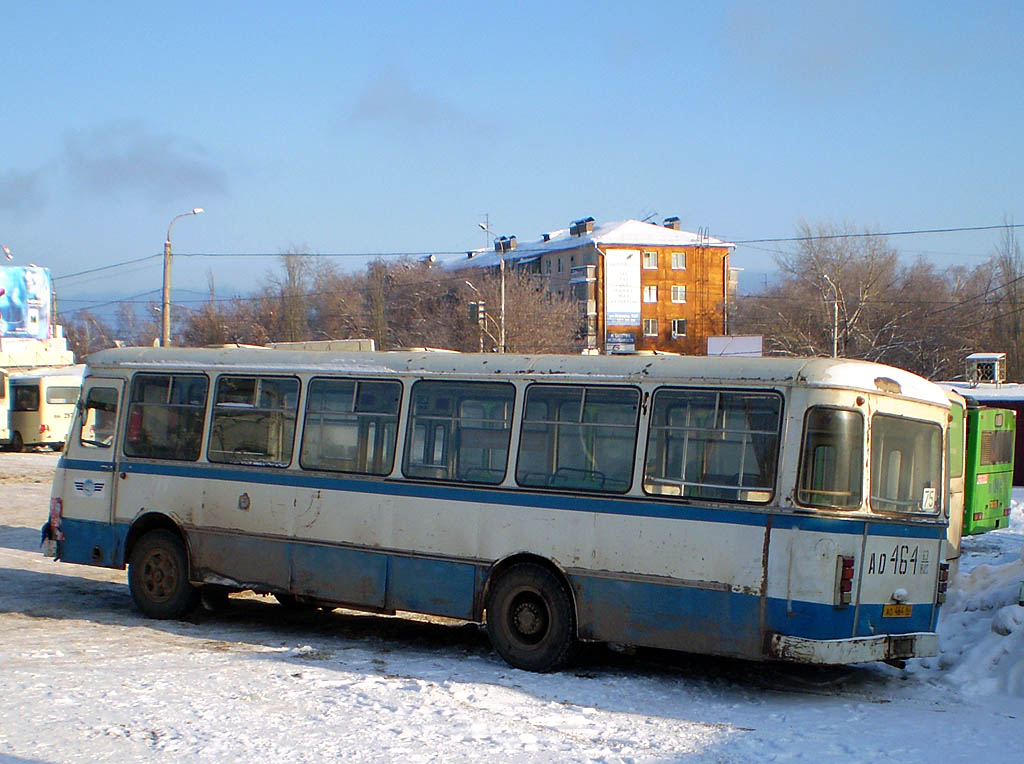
559,265
678,293
678,327
650,260
679,261
651,293
650,327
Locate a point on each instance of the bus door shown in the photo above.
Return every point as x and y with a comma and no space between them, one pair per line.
956,449
89,468
5,415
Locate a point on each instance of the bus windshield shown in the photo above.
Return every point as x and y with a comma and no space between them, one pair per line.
906,465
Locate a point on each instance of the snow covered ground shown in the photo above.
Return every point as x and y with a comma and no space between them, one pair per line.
83,677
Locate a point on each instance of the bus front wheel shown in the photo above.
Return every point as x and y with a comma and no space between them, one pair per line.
530,618
158,576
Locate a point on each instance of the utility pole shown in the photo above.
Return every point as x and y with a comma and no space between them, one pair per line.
835,315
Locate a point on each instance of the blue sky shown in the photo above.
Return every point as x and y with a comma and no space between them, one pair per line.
385,127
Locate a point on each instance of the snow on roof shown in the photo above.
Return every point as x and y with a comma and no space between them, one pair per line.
987,391
628,233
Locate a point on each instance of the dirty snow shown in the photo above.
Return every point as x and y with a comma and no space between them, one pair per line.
83,677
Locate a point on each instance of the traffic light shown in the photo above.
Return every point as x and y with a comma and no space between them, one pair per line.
477,312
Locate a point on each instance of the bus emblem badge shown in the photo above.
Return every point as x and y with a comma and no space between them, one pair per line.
243,502
88,487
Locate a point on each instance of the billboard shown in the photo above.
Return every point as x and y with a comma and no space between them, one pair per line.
25,302
620,343
743,345
622,287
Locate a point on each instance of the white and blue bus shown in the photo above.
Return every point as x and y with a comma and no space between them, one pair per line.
789,509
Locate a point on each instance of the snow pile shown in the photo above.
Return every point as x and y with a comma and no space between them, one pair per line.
981,626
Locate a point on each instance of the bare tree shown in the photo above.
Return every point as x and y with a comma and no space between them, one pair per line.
1005,302
841,285
87,333
292,288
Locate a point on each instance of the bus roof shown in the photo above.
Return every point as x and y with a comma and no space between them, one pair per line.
74,370
813,372
984,392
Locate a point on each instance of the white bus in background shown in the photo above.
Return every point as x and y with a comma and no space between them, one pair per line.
42,404
763,508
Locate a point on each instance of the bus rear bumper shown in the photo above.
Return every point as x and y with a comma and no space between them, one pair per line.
854,650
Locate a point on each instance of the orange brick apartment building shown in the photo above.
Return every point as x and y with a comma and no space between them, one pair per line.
640,286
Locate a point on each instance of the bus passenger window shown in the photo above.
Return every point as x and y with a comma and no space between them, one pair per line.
62,394
165,416
459,431
254,421
831,463
351,426
717,445
578,438
99,418
25,397
906,465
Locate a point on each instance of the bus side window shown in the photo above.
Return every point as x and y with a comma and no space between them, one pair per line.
709,444
459,431
165,416
578,438
254,420
99,418
351,426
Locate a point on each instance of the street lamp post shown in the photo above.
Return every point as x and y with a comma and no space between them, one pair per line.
835,315
165,313
502,245
479,321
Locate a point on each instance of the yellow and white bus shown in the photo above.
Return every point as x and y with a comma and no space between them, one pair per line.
763,508
42,405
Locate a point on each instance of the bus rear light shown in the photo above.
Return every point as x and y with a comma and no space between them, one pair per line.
56,515
978,516
44,429
844,581
943,582
1006,512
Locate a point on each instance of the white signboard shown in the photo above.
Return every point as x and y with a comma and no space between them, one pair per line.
745,346
622,287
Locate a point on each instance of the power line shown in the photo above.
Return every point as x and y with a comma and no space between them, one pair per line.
428,253
319,254
106,267
820,237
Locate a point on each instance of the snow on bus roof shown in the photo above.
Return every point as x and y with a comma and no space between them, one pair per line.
815,372
987,391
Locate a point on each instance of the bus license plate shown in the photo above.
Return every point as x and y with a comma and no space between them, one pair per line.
897,611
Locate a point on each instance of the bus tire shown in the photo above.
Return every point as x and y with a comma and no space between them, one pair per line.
158,576
530,618
17,442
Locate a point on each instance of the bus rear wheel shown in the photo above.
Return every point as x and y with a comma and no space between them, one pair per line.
17,442
530,618
158,576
